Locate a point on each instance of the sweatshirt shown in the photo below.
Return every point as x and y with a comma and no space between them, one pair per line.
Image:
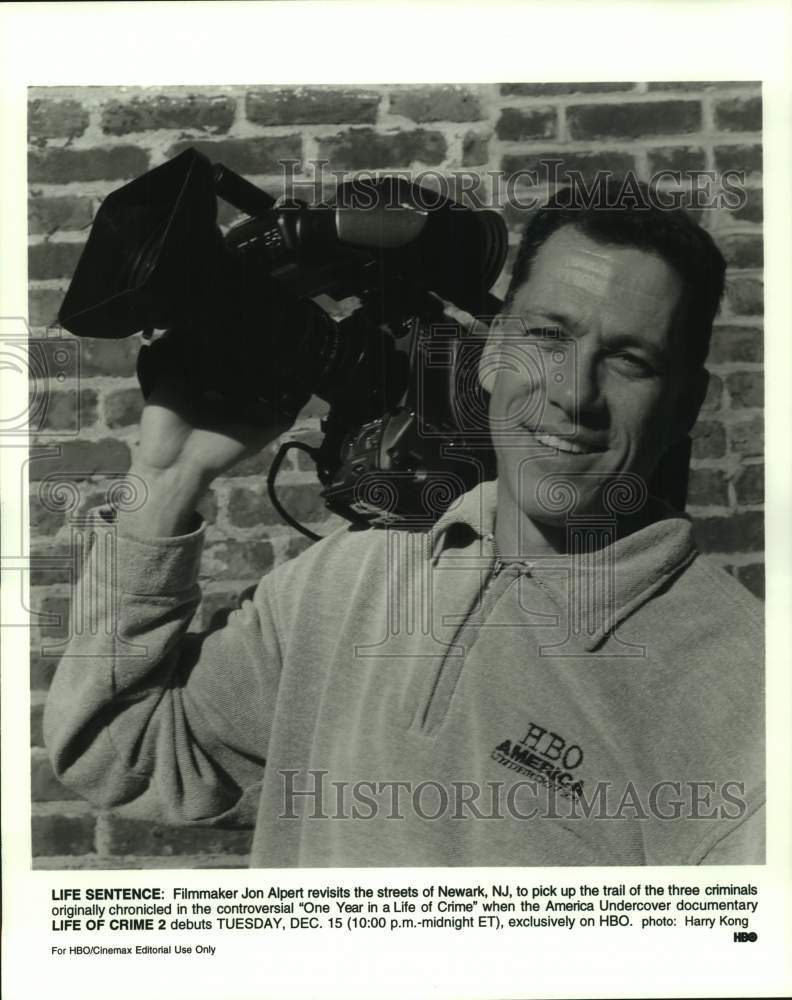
392,698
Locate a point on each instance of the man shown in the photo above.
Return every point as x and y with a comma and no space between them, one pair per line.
551,676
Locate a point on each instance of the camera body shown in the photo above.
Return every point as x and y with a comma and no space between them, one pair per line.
345,301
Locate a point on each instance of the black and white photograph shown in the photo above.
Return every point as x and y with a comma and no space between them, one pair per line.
395,543
408,462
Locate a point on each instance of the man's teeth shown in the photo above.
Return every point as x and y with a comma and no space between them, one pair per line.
562,444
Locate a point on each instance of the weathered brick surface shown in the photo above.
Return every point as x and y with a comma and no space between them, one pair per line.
82,459
65,166
311,106
631,121
738,344
749,485
126,836
209,114
730,534
739,114
365,149
435,104
53,834
517,124
560,89
747,158
47,215
745,296
123,407
56,119
53,260
677,158
587,163
85,143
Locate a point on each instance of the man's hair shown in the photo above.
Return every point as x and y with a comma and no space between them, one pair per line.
671,234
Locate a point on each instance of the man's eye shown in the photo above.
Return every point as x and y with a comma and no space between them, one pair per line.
634,365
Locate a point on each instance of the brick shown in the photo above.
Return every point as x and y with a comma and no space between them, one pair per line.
682,158
709,439
254,465
127,836
108,357
742,250
312,106
435,104
743,158
736,343
751,207
519,124
210,114
561,89
746,437
82,459
235,560
714,396
752,576
584,164
123,407
631,121
44,786
50,565
53,260
734,533
43,306
745,296
37,725
44,521
365,149
50,215
66,409
694,85
56,119
248,508
55,835
708,487
746,389
749,484
739,114
63,166
247,156
475,150
50,617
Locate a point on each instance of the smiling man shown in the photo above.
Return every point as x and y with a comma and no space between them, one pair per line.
552,676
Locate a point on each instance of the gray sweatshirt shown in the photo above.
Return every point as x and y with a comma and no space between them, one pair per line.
389,698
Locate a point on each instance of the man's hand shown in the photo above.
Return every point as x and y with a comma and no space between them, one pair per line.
182,448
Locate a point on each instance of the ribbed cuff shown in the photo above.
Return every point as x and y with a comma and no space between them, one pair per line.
151,566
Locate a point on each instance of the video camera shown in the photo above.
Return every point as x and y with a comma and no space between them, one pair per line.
344,300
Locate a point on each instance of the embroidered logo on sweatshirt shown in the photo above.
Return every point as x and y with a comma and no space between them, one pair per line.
545,756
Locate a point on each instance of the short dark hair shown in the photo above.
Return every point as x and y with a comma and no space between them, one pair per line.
670,233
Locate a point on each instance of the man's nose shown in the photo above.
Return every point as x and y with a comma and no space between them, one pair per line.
573,384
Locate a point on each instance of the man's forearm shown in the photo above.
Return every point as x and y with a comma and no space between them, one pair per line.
171,497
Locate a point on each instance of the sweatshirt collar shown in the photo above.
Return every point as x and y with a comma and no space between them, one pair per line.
642,562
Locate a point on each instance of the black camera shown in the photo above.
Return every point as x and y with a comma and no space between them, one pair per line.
345,300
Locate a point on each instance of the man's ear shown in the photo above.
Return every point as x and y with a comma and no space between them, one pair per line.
489,359
691,399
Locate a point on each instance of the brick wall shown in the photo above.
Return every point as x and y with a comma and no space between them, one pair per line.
84,142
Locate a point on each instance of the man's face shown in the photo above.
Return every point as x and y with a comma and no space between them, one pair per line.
602,396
